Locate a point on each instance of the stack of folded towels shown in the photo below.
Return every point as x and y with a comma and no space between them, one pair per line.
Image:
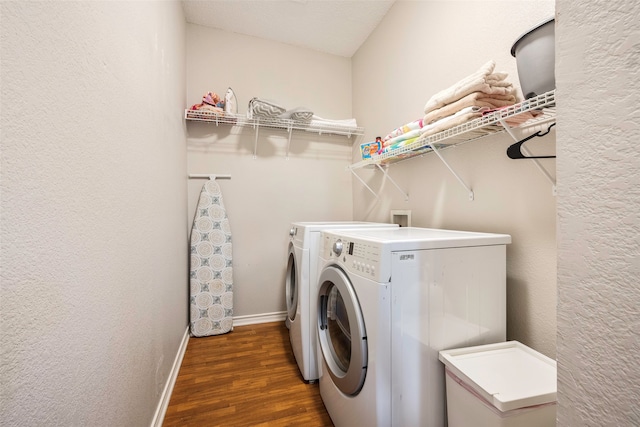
482,89
470,98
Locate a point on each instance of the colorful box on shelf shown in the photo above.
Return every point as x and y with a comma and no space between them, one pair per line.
367,149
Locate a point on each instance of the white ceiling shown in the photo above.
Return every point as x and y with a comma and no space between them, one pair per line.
338,27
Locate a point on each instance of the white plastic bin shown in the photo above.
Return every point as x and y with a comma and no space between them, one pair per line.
500,385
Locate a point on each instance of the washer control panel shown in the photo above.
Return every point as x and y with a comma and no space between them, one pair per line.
362,258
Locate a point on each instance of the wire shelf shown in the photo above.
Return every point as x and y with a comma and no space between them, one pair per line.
285,124
472,130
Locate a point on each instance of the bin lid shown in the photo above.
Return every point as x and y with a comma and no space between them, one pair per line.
519,39
509,375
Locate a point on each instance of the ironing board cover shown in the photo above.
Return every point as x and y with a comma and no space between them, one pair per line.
211,271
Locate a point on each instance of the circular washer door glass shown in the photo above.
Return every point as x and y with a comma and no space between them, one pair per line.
341,331
291,286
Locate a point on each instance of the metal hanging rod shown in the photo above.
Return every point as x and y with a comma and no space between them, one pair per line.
208,176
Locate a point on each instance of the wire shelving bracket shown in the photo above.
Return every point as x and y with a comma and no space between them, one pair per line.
466,187
492,123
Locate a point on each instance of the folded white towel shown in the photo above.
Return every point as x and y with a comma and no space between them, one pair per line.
319,121
496,77
478,99
459,117
484,80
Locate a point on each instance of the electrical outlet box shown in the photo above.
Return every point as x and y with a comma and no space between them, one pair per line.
401,217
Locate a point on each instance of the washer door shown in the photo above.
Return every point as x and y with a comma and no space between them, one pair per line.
341,331
291,284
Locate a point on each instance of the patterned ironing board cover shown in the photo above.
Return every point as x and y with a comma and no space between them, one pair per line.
211,271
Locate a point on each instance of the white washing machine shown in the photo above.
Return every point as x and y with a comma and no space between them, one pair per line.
388,302
301,290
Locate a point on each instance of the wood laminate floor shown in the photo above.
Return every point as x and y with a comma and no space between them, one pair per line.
248,377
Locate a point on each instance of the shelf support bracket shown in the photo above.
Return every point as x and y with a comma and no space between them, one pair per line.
466,187
364,183
528,154
256,126
290,130
386,175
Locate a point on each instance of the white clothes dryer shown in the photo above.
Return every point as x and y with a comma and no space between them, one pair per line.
388,302
301,290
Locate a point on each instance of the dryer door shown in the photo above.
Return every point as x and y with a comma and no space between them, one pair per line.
341,331
291,284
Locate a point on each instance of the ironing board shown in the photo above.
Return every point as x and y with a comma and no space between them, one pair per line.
211,271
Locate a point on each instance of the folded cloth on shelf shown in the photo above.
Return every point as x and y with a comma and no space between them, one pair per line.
264,109
475,99
213,99
299,114
402,137
496,77
483,80
211,103
207,108
345,123
398,145
405,139
518,119
498,80
416,124
456,119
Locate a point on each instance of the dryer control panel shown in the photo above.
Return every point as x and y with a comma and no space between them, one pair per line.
361,258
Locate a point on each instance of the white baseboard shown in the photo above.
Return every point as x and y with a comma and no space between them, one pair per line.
254,319
161,410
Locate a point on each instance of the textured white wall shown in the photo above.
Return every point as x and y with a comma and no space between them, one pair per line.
93,210
268,193
394,74
598,57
